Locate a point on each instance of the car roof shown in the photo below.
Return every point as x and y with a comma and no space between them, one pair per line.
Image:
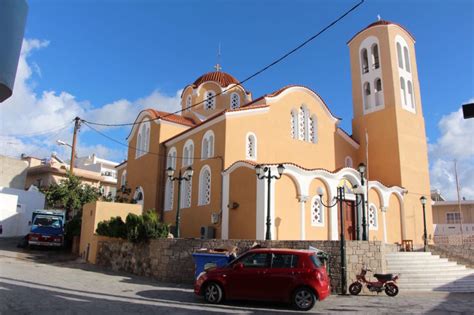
282,251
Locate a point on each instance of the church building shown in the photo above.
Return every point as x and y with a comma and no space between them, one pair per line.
225,137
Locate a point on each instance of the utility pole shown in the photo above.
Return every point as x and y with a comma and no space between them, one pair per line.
77,125
459,200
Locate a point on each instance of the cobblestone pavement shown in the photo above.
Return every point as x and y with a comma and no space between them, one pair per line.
49,282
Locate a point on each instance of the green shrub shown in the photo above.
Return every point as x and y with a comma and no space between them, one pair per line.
153,227
136,229
114,227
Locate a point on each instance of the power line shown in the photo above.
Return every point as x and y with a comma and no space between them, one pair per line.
140,150
37,133
246,79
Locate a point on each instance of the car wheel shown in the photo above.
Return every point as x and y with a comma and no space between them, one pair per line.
304,299
213,293
391,289
355,288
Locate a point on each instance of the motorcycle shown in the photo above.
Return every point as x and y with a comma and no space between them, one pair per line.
385,282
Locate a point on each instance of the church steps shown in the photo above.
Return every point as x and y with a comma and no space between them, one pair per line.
421,271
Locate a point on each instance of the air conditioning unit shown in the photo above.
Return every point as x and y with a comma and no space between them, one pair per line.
208,232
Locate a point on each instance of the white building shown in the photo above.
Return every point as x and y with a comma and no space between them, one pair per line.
105,167
16,209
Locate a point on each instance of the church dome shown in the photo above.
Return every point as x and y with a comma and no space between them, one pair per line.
222,78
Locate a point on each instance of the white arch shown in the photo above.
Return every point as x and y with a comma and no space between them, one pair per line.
298,88
302,178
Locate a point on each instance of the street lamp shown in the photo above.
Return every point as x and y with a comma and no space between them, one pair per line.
362,168
61,142
339,199
425,234
261,174
188,173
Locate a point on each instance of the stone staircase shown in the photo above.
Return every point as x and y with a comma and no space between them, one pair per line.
422,271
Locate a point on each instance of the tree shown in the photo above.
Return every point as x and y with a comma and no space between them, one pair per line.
70,194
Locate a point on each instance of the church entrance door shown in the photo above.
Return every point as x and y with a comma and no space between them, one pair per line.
348,209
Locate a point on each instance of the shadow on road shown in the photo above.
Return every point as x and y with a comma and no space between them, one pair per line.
39,298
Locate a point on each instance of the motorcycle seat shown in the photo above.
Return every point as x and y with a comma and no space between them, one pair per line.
386,277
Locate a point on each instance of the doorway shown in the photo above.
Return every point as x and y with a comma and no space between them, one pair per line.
348,209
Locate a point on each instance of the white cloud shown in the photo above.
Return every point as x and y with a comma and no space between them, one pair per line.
27,112
455,143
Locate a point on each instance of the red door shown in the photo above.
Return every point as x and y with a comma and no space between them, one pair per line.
348,210
249,282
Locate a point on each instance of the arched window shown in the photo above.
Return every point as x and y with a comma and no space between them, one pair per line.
143,139
407,59
348,161
251,146
186,193
399,55
188,153
205,186
123,179
367,98
372,217
234,101
364,61
378,92
139,196
403,90
313,129
169,190
411,97
294,124
188,103
317,214
207,148
375,56
210,102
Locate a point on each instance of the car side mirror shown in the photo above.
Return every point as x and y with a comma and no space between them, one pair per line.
238,266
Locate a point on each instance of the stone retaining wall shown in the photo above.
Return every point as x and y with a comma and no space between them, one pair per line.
462,254
170,260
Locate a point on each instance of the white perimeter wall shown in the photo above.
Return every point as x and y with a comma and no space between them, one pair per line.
16,208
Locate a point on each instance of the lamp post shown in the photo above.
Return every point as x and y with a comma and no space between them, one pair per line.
262,174
425,234
361,168
188,173
339,200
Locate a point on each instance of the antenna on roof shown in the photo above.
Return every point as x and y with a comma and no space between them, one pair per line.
378,17
218,66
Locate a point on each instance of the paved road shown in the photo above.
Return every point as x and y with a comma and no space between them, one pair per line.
50,282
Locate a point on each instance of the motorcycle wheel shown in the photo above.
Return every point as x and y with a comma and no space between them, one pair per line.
391,289
355,288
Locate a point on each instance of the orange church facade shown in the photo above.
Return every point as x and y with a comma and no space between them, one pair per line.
228,133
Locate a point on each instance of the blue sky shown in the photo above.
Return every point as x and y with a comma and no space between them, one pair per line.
126,54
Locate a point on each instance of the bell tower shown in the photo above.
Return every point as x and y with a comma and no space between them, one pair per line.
388,118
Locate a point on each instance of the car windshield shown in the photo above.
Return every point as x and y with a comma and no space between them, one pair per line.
48,222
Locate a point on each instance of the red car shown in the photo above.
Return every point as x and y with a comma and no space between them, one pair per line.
295,276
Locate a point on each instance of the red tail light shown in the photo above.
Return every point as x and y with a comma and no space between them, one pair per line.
33,236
